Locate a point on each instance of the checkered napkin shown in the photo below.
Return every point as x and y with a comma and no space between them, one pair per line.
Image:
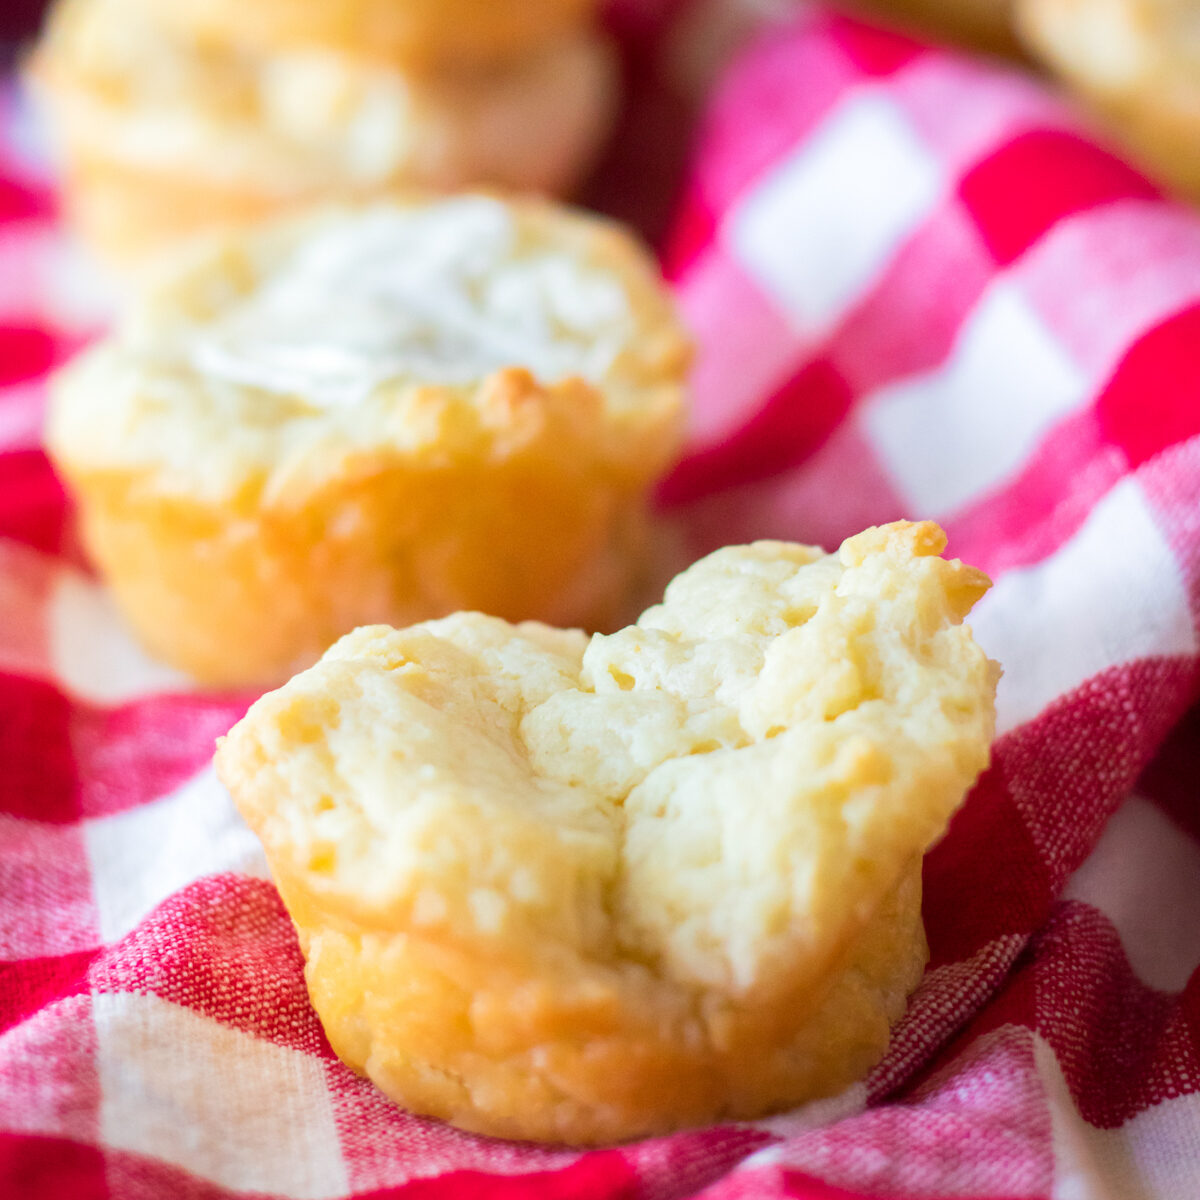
921,290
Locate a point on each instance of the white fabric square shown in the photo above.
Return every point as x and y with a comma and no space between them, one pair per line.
1163,1143
220,1103
825,222
1144,875
1088,1162
1151,1157
953,434
94,655
1112,594
142,856
47,278
817,1114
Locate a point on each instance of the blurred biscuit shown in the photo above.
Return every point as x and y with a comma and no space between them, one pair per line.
980,24
418,34
1138,62
375,414
587,890
163,137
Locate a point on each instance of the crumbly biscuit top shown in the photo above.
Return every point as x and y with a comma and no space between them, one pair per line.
722,793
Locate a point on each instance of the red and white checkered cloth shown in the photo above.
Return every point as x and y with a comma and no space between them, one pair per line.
920,290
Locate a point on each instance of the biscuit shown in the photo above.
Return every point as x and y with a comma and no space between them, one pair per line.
375,414
981,24
423,34
586,890
162,137
1138,62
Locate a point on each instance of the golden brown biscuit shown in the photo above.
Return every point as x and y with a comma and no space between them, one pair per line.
1138,61
162,136
377,414
981,24
423,34
583,891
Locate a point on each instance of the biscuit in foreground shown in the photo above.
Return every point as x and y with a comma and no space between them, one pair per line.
585,890
375,414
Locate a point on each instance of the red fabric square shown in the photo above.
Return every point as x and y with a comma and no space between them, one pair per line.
1152,400
789,426
985,878
1036,180
19,202
33,504
51,1168
1121,1045
693,229
37,764
25,353
1173,779
602,1175
1189,1009
223,947
137,752
876,52
26,985
1073,766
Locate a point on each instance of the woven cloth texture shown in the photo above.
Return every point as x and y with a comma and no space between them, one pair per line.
921,288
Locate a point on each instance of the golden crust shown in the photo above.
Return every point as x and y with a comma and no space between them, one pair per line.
423,34
597,1055
163,137
583,891
1138,62
244,527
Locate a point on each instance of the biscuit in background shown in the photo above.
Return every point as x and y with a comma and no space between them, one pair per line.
375,414
585,890
423,35
163,136
976,24
1138,63
1135,62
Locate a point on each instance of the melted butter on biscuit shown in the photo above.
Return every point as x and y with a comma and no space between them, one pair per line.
444,295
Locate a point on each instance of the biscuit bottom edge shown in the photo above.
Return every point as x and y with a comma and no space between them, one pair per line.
608,1056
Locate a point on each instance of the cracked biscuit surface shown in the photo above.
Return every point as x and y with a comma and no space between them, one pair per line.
582,890
377,414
